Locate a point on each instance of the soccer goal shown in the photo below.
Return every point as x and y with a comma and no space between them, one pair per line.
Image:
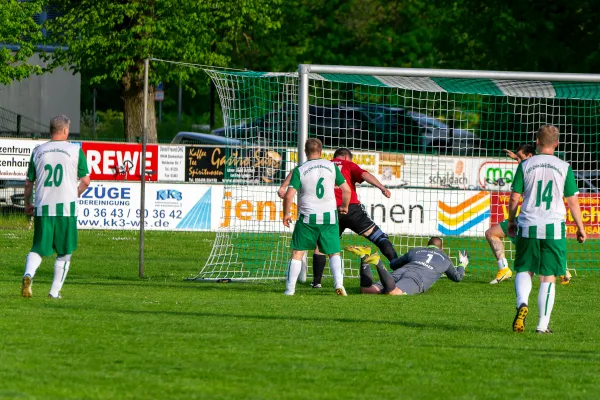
436,138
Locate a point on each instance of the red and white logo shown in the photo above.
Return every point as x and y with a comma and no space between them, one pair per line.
120,161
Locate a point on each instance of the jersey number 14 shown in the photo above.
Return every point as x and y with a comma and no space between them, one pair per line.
543,195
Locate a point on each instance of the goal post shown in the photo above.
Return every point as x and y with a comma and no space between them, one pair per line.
435,137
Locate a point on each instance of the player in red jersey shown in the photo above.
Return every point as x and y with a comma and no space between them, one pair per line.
357,220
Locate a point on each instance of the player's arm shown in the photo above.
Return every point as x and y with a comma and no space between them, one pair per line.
346,194
370,178
83,173
29,208
511,154
400,262
340,182
571,193
456,274
84,182
518,187
292,187
288,199
284,185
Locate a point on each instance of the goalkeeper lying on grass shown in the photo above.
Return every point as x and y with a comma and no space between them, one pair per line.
413,273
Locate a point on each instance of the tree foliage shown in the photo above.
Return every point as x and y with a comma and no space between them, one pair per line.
525,35
395,33
18,28
111,38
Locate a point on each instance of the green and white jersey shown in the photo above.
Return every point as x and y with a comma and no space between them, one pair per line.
315,180
56,167
544,180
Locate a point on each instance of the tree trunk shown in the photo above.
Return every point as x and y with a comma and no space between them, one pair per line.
132,90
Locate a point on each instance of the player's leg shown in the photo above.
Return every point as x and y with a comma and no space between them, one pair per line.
494,236
367,284
360,223
527,263
43,236
319,261
553,263
61,268
65,243
329,243
304,238
387,282
294,267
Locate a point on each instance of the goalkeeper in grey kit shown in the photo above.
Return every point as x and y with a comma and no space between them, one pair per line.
413,273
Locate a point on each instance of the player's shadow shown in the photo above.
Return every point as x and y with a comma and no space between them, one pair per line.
295,318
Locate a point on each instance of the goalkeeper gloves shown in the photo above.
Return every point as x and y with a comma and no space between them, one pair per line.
463,258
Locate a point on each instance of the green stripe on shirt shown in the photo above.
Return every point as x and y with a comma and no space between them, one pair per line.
73,206
60,209
45,211
326,218
532,232
549,231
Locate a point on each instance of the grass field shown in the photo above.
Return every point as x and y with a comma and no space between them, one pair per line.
114,336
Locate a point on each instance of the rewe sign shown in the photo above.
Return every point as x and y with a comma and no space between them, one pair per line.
120,161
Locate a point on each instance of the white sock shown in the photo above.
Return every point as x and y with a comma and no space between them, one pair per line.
335,263
545,304
523,287
61,268
32,264
502,263
294,268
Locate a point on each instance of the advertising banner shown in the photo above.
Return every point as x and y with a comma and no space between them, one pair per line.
169,207
120,161
369,161
205,164
428,212
171,163
590,213
408,211
14,157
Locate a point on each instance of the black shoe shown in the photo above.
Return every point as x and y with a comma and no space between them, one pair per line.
541,332
315,285
519,322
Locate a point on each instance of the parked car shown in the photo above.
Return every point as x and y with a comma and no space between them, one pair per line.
379,128
588,181
204,138
12,194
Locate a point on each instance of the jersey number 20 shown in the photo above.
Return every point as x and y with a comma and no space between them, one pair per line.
55,175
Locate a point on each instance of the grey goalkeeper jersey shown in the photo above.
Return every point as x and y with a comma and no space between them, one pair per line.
427,264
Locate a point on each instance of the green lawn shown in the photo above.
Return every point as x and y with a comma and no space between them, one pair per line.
114,336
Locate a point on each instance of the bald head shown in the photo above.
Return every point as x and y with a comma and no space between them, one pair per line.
435,241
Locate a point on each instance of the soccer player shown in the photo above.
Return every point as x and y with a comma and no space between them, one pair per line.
413,273
357,220
317,215
542,180
496,233
60,172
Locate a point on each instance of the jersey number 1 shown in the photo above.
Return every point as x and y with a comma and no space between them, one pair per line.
55,175
545,195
